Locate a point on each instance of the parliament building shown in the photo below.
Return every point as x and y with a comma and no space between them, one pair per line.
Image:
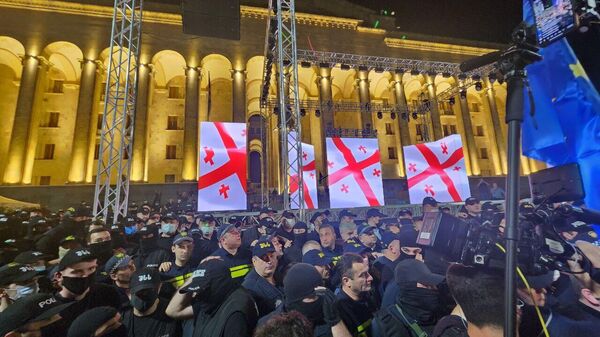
53,67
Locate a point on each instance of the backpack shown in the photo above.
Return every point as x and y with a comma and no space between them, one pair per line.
393,322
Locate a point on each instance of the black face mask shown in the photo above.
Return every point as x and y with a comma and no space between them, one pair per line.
77,285
299,239
420,303
148,245
102,250
145,303
312,311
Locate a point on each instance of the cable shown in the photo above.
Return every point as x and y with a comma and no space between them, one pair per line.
537,309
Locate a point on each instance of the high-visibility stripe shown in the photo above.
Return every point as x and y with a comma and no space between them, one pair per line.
363,326
239,271
178,281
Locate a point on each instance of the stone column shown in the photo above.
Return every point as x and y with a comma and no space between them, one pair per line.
13,172
94,128
364,95
77,170
400,124
468,136
326,119
141,124
495,118
434,111
190,132
239,95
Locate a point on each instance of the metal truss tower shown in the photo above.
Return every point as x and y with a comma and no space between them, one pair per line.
290,127
111,194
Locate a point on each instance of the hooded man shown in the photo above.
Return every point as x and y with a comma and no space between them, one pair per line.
220,307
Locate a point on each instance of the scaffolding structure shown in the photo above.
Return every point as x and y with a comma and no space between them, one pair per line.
111,193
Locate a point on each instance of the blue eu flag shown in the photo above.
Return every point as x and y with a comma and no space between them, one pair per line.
567,114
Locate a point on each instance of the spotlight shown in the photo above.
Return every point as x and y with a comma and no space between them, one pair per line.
276,111
501,80
323,65
344,67
462,77
415,72
393,115
363,68
478,86
379,69
492,78
476,77
379,115
317,113
414,115
451,101
302,112
399,71
305,64
463,93
431,73
446,75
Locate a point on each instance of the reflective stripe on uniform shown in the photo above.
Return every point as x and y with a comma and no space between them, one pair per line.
363,327
240,271
178,281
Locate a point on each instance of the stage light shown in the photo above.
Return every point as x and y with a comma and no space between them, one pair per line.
302,112
463,93
323,65
414,115
451,101
379,115
476,78
379,69
415,72
393,115
478,86
492,78
446,75
399,71
462,77
305,64
276,111
344,67
363,68
317,113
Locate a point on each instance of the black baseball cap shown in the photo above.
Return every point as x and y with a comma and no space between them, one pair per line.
82,211
300,225
89,321
490,207
288,215
430,201
267,222
355,248
16,273
116,262
74,256
29,309
262,247
267,210
207,218
346,212
405,211
374,212
30,257
208,271
408,237
145,278
300,282
223,229
388,237
315,216
471,201
181,237
315,257
414,271
539,281
365,229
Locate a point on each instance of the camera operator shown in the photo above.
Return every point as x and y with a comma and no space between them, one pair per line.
472,209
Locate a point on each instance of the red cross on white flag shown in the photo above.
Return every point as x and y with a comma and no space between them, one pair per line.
354,172
222,163
309,177
437,169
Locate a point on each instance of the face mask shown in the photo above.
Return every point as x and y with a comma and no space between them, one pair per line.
143,304
62,252
130,230
291,222
313,311
167,228
420,303
40,268
148,245
206,230
102,250
77,285
22,291
299,239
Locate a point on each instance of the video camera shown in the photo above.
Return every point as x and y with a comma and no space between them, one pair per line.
540,247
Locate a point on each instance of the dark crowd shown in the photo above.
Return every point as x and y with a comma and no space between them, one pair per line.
167,271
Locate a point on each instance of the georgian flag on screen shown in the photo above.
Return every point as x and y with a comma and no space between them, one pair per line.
437,169
222,163
354,172
309,176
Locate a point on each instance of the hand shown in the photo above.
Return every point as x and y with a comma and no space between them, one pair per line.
164,267
287,244
462,215
331,313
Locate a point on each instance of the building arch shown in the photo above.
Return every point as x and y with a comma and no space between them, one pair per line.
218,68
168,64
64,58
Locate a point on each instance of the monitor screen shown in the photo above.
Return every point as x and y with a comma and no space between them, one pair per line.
553,19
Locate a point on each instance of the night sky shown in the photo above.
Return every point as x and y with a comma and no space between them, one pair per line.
480,20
